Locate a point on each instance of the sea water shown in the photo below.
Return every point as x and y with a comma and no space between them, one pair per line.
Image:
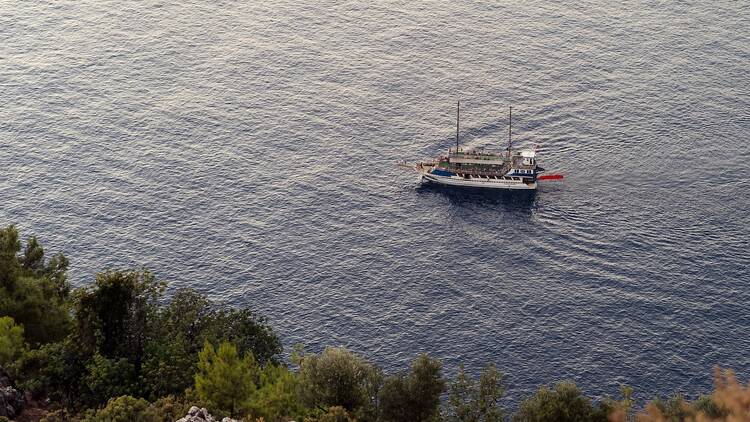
247,150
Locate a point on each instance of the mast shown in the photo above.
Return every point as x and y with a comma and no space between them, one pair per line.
458,111
510,125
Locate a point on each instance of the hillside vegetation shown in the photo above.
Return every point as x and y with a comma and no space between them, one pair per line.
118,350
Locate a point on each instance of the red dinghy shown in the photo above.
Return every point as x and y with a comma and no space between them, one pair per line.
550,177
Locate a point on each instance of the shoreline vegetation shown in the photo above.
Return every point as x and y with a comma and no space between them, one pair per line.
117,350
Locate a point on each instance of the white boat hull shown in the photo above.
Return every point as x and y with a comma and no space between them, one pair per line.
476,182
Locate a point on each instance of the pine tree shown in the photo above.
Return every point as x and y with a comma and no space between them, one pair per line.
224,379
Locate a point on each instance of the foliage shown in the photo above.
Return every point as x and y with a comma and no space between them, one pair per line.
9,266
42,371
179,329
708,407
563,403
33,291
729,398
730,402
277,395
470,401
248,331
416,396
333,414
123,409
59,415
34,304
33,264
175,339
119,338
11,341
57,371
170,408
225,379
112,314
675,408
126,343
619,411
338,377
109,378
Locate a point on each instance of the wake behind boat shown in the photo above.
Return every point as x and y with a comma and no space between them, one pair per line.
482,169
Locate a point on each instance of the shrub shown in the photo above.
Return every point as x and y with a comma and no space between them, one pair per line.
33,291
338,377
123,409
225,379
413,397
11,341
563,403
277,395
471,401
170,408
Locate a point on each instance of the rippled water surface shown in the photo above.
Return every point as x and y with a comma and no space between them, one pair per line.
247,150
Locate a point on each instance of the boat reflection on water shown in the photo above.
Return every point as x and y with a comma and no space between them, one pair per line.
517,201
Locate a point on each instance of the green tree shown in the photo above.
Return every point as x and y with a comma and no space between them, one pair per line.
414,397
338,377
171,408
224,379
11,341
113,314
108,378
53,370
276,397
563,403
470,401
707,406
33,291
248,331
33,264
334,414
123,409
168,367
45,318
9,267
180,328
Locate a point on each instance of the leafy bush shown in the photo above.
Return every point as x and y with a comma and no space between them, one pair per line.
109,378
413,397
112,314
225,379
123,409
472,401
338,377
178,331
333,414
563,403
11,341
59,415
170,408
276,397
33,291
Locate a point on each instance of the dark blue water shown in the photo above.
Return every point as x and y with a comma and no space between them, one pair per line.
247,150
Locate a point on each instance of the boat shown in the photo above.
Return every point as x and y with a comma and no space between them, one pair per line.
509,169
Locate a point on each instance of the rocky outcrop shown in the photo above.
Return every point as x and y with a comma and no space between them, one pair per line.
12,400
201,415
